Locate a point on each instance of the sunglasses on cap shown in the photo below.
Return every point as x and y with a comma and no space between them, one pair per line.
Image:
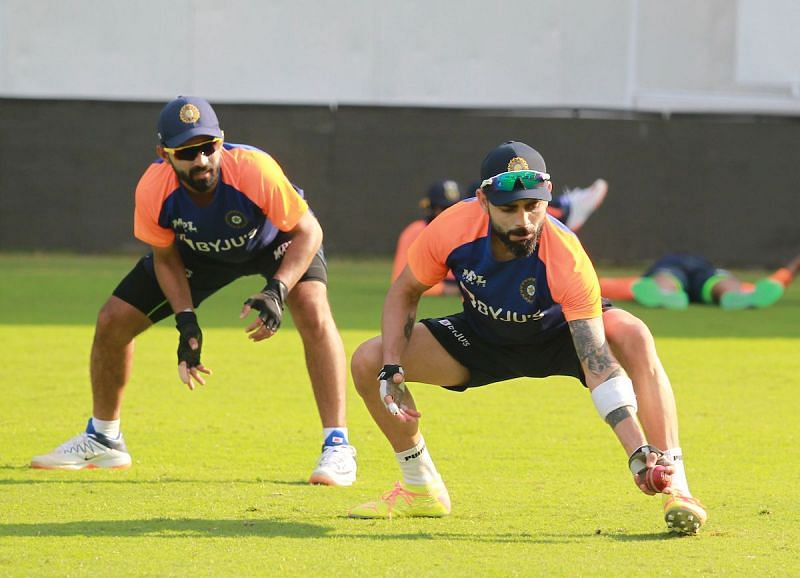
507,182
190,152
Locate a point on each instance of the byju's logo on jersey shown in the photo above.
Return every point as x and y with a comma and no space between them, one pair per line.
471,278
218,245
185,226
527,289
499,313
235,219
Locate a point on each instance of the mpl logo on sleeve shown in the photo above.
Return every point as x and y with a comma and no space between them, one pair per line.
471,278
185,226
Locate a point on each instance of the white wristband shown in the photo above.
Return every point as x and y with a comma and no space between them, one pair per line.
613,394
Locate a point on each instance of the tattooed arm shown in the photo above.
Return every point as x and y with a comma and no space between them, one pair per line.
599,366
596,358
399,315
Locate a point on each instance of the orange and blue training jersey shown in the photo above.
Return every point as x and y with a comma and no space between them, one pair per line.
519,301
404,241
253,201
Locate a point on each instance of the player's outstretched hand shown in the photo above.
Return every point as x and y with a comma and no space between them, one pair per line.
190,343
393,391
269,304
643,461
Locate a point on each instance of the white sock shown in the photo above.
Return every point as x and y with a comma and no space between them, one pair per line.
110,429
329,430
679,481
417,466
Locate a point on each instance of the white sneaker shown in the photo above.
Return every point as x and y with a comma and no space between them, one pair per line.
86,450
336,466
584,202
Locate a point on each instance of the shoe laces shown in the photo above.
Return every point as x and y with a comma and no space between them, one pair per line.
81,443
336,455
399,491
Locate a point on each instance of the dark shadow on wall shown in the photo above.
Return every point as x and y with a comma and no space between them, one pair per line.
721,186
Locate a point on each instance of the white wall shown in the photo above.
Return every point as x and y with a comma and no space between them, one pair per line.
714,55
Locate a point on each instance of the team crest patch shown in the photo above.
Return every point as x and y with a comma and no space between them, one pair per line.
517,164
451,192
189,114
235,219
528,289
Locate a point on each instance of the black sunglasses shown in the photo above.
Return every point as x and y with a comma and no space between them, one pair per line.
190,152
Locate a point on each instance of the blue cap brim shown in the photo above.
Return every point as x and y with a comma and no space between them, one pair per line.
506,197
181,138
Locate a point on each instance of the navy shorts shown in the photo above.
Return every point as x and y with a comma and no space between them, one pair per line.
206,276
692,271
489,362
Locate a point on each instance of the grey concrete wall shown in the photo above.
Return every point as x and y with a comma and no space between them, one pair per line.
725,187
644,55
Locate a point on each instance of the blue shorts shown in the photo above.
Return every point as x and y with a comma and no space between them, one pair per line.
696,274
206,276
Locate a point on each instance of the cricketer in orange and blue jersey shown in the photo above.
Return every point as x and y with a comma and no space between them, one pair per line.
520,301
253,201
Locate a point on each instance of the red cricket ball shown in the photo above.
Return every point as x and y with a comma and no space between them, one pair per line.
657,479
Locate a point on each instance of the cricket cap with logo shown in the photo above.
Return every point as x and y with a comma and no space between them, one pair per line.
514,156
441,194
185,117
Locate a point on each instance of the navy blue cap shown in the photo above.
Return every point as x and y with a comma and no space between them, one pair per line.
441,194
514,156
185,117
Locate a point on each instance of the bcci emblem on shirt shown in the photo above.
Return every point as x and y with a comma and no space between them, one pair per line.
235,219
527,289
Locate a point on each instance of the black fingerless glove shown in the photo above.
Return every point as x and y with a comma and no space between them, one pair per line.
637,462
388,372
186,323
269,304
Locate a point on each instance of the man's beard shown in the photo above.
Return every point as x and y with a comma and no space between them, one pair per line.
195,183
524,248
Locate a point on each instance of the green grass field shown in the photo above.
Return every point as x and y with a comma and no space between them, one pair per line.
539,484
